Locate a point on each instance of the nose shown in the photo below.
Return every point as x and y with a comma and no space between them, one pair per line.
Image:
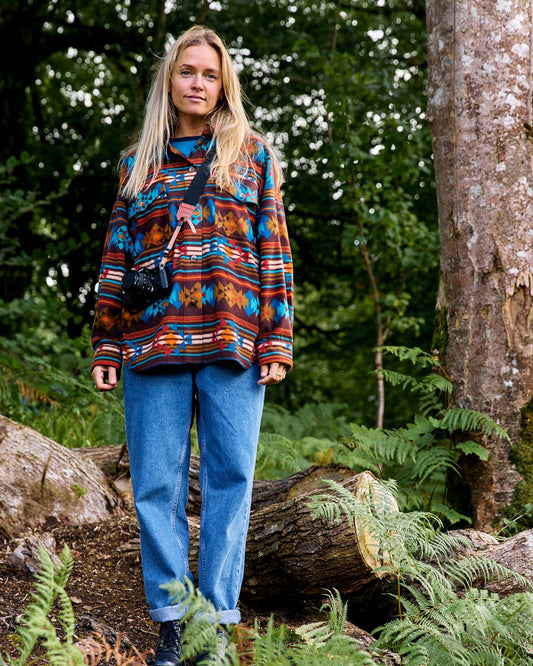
198,81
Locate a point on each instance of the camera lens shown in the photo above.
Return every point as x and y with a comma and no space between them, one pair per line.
130,280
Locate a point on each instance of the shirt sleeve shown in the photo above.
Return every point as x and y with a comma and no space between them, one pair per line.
275,340
106,336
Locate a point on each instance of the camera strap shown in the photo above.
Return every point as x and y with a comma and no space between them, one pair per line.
187,206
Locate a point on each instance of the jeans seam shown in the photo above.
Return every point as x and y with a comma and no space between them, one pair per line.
237,575
175,502
203,496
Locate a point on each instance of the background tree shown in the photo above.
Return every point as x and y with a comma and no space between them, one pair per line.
480,94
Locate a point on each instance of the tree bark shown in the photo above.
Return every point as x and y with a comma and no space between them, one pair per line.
515,553
42,482
480,96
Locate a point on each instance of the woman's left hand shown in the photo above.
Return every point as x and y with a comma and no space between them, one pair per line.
274,373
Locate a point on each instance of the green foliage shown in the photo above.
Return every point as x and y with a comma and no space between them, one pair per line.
341,92
46,384
420,455
445,614
316,643
36,626
286,445
201,622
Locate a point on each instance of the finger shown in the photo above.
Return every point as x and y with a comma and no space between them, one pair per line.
105,379
272,374
112,378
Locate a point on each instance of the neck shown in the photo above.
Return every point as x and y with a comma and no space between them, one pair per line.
190,128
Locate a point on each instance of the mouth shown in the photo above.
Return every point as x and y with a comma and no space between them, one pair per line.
195,98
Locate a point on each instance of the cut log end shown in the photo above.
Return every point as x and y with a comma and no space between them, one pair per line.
370,493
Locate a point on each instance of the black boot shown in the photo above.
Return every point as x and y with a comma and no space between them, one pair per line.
168,648
220,651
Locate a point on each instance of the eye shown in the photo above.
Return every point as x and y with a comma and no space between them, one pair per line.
185,73
211,77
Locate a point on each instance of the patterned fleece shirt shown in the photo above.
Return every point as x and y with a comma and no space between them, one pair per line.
231,296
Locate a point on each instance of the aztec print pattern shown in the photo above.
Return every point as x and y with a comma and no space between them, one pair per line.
232,294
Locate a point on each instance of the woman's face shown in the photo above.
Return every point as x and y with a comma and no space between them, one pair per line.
196,84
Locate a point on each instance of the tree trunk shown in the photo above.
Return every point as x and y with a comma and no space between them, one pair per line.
42,482
480,65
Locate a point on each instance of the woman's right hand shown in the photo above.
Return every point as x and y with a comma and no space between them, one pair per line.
105,377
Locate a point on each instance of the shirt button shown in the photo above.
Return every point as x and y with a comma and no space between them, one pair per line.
191,168
193,258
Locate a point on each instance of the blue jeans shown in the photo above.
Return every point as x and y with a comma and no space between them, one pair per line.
159,410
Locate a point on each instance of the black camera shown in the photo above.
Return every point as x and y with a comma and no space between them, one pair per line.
145,286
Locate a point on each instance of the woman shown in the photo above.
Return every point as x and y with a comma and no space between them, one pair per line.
210,346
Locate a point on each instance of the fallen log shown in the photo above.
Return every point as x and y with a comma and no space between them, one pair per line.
515,554
42,482
277,553
113,461
290,555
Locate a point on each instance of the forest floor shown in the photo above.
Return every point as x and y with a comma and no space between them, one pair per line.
106,591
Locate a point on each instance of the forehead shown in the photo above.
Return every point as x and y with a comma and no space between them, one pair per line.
201,56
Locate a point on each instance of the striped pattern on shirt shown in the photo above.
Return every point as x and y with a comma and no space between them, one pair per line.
232,293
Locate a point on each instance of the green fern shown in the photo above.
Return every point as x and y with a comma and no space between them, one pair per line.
445,614
316,643
272,646
420,455
289,442
51,578
59,403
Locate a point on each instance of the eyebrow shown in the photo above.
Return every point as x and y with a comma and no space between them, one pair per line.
184,64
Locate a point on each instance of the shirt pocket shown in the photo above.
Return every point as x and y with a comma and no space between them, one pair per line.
238,206
245,187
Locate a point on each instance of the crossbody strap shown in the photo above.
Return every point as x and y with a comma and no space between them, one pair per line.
187,206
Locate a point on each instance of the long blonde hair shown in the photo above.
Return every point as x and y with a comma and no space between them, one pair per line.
230,124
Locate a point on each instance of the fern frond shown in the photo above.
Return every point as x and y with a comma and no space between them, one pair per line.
338,611
200,619
315,633
468,420
51,577
277,456
430,461
414,355
429,385
271,647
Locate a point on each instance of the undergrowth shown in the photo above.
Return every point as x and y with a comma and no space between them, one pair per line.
445,616
419,455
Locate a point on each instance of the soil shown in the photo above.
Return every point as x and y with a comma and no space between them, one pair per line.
106,591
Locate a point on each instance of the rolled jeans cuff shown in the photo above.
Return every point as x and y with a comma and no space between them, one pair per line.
177,612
